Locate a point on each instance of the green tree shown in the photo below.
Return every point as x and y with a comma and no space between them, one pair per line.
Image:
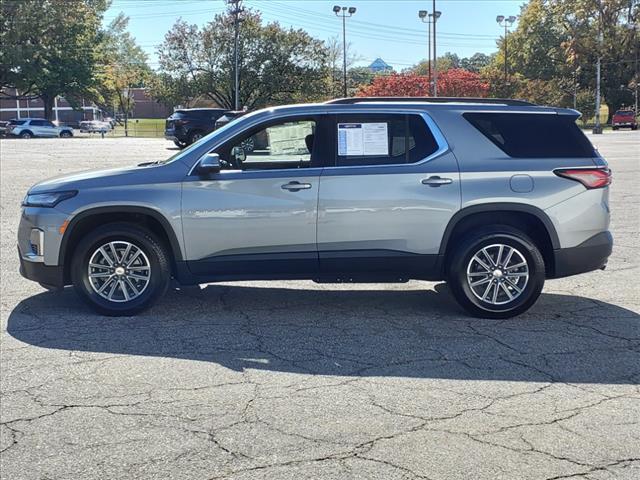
49,48
172,91
557,41
276,65
475,62
124,67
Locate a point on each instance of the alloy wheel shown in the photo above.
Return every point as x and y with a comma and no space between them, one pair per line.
119,271
497,274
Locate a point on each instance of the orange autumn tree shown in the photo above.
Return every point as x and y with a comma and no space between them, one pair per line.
455,82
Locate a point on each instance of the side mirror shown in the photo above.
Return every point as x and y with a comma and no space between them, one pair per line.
209,164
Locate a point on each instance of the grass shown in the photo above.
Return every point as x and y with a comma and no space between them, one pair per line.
141,127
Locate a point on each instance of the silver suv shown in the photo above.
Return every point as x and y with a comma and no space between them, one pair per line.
37,127
493,196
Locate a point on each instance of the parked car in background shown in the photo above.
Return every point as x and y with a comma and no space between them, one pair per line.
187,126
3,127
110,120
95,126
37,127
624,119
494,196
259,141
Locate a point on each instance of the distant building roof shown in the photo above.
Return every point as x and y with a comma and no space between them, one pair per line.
379,65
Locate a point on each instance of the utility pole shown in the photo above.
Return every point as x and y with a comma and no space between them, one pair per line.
344,12
236,11
435,55
597,129
506,22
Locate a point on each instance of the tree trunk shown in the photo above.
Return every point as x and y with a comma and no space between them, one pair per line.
48,101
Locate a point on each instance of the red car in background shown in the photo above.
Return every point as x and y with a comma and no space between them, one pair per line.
624,118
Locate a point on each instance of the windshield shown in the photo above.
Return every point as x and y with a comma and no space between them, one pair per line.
206,138
17,122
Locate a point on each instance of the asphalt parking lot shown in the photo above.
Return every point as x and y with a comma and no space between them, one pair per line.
293,380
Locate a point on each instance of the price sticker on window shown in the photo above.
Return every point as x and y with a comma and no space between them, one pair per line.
363,139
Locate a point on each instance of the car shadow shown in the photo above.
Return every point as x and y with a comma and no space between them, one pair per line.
400,332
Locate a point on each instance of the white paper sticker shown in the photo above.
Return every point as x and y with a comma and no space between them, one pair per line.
358,139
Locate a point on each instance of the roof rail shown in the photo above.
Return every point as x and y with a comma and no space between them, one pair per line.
496,101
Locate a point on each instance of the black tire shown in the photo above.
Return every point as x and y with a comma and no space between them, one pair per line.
66,134
614,128
460,260
153,249
26,134
179,144
635,127
195,136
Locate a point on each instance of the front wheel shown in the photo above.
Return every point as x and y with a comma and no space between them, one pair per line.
26,134
496,273
120,269
66,134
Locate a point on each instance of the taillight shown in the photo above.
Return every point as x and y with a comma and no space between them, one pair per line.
589,177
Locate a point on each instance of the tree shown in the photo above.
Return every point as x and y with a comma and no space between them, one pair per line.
172,91
450,60
475,62
558,42
276,65
455,82
49,48
124,67
334,54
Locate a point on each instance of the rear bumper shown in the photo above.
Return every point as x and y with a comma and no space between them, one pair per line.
592,254
51,277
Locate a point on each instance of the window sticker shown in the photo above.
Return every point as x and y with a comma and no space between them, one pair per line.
363,139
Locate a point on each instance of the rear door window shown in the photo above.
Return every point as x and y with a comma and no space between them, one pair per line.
533,135
382,139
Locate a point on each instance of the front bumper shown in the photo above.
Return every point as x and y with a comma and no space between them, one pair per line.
592,254
51,277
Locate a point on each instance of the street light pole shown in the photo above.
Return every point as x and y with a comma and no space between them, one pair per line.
344,12
506,22
597,128
436,15
425,17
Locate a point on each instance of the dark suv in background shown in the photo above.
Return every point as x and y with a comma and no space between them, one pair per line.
187,126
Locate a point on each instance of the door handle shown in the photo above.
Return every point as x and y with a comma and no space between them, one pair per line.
296,186
436,181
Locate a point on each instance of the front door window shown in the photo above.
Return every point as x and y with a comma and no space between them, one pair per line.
282,145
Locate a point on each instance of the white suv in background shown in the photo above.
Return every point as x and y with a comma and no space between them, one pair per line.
37,127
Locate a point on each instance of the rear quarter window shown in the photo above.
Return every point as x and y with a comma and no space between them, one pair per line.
532,135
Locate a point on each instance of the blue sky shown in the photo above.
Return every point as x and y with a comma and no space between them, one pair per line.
389,29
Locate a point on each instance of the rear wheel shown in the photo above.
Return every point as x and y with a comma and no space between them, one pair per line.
195,136
120,269
179,144
66,134
496,273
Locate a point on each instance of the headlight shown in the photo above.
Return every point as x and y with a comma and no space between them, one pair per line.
50,199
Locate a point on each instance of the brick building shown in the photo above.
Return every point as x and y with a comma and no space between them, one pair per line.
147,107
63,112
